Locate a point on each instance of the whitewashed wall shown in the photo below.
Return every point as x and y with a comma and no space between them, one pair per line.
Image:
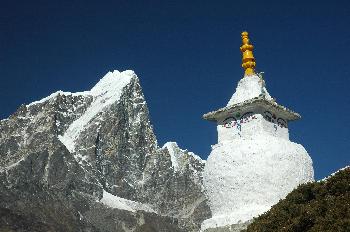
254,125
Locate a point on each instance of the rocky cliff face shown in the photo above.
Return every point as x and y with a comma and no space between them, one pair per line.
62,153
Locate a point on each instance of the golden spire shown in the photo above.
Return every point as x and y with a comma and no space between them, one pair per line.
248,60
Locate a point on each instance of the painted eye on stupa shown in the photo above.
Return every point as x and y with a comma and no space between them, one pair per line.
247,115
268,116
282,123
228,122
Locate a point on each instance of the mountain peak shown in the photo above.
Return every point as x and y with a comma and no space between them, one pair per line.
100,144
106,92
113,81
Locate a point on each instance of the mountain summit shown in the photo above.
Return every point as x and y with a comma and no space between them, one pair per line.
93,156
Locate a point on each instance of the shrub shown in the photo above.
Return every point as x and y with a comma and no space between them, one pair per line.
315,207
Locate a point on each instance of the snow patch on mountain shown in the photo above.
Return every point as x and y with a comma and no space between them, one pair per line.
121,203
51,96
176,153
57,93
106,92
248,88
196,157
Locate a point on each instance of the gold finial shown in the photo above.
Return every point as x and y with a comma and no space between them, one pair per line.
248,60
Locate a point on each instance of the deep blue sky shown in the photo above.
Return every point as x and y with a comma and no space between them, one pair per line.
186,54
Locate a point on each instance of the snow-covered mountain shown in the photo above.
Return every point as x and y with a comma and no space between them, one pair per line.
90,161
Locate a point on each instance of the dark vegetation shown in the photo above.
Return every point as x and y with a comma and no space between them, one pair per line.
319,206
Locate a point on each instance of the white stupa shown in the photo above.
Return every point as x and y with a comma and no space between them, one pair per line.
254,164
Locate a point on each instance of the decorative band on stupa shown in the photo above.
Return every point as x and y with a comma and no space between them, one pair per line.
248,60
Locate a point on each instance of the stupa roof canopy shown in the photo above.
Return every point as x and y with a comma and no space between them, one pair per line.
250,105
